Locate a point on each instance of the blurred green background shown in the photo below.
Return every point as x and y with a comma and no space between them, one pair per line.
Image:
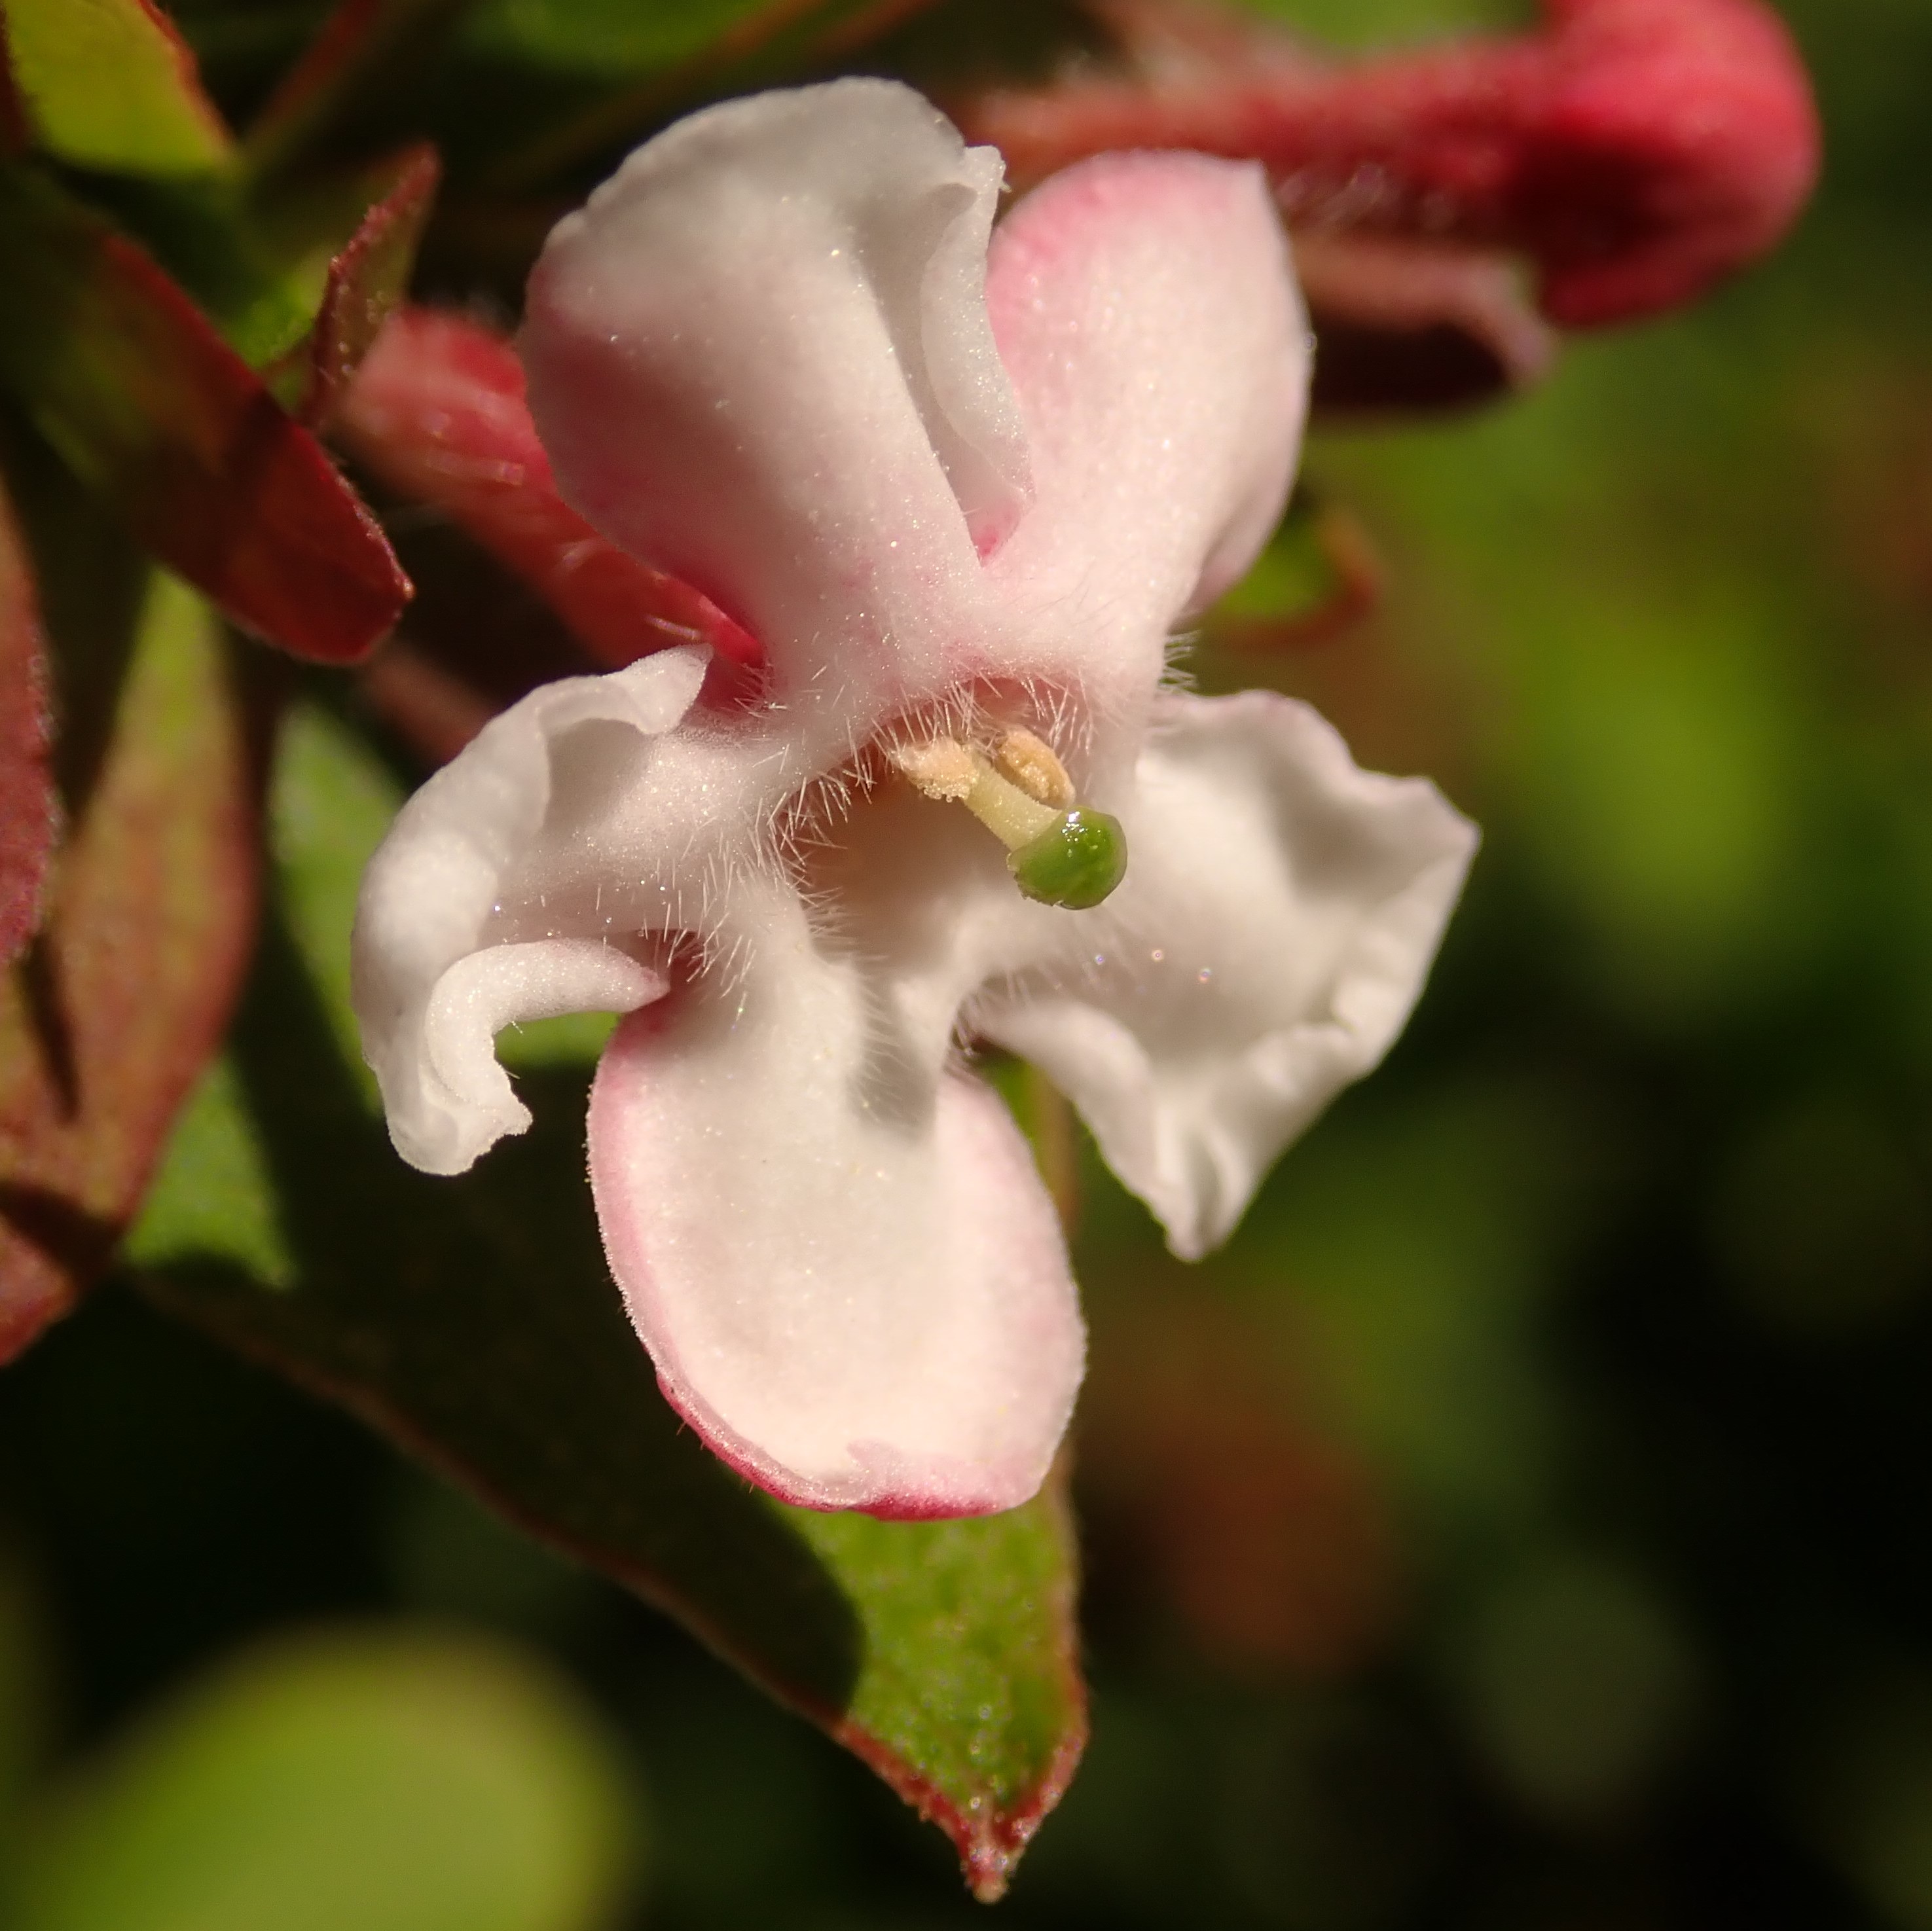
1522,1524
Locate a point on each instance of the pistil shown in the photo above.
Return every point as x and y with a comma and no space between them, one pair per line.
1058,851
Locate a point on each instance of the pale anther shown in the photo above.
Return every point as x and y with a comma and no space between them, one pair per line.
940,768
958,774
1030,763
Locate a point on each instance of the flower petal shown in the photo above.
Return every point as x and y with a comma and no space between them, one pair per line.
1146,313
839,1253
759,359
1273,934
433,977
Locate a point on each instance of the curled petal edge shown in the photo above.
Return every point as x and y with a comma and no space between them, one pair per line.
429,991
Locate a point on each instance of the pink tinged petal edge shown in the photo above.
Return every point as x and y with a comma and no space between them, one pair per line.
1269,944
1146,310
760,360
853,1311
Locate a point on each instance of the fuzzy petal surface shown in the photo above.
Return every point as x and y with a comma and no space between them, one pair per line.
1146,310
759,359
430,988
834,1244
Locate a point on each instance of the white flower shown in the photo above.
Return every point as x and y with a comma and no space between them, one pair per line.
962,493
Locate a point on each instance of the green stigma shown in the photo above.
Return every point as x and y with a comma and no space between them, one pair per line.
1075,863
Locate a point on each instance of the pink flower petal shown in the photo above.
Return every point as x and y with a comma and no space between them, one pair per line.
1147,315
1273,934
759,359
859,1304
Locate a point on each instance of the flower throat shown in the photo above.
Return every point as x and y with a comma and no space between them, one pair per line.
1059,851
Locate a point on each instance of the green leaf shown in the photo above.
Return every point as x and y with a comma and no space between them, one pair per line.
106,1022
258,288
390,1782
474,1319
214,1197
109,84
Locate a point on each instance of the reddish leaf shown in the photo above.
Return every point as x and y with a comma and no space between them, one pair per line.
437,412
1639,150
127,379
107,1020
366,280
28,817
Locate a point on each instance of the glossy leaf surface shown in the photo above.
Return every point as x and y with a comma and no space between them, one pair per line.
109,84
130,384
109,1017
474,1321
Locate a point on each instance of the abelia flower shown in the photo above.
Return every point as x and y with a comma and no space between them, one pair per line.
961,492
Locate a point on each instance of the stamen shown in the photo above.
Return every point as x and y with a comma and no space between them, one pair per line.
942,769
957,774
1030,763
1058,852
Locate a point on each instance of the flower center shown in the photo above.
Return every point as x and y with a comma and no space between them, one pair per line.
1059,851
